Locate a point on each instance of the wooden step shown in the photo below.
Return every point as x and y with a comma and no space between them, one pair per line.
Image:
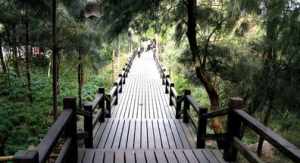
150,156
144,134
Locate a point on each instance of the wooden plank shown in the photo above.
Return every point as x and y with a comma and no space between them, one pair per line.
170,155
123,141
200,156
130,141
189,133
140,157
116,142
169,134
81,153
119,157
164,139
209,156
190,156
112,134
180,156
218,155
150,156
182,135
151,139
99,156
105,134
89,156
109,157
161,158
137,135
144,136
156,134
129,157
175,133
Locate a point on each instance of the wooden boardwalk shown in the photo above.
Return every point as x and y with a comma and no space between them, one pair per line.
143,127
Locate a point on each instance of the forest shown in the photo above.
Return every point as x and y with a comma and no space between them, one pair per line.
50,49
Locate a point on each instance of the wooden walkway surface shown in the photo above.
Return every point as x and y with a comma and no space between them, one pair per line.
143,127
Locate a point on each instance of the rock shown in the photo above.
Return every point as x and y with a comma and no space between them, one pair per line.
268,151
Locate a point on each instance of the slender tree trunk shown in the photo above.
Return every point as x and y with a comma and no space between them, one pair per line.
201,74
54,61
80,76
15,51
2,57
266,122
28,59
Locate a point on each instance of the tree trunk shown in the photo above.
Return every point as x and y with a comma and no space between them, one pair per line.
54,61
80,77
15,51
266,122
203,77
2,57
28,59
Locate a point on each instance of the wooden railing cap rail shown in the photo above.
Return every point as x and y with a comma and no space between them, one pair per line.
273,138
194,104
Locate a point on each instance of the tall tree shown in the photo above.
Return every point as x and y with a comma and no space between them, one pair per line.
3,65
27,53
55,66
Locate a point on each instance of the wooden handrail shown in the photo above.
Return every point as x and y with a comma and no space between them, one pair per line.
49,141
65,123
193,103
217,113
273,138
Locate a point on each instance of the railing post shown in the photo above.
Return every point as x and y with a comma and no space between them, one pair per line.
178,106
201,131
27,157
126,70
71,128
124,76
108,106
88,125
186,106
233,129
102,104
121,83
171,94
116,93
167,84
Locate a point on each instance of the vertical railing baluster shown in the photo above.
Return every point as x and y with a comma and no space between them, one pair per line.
233,129
108,106
178,106
120,83
167,84
88,125
171,94
201,130
186,106
116,93
101,104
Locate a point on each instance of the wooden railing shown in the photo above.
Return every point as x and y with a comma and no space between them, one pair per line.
236,118
64,127
174,99
102,104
